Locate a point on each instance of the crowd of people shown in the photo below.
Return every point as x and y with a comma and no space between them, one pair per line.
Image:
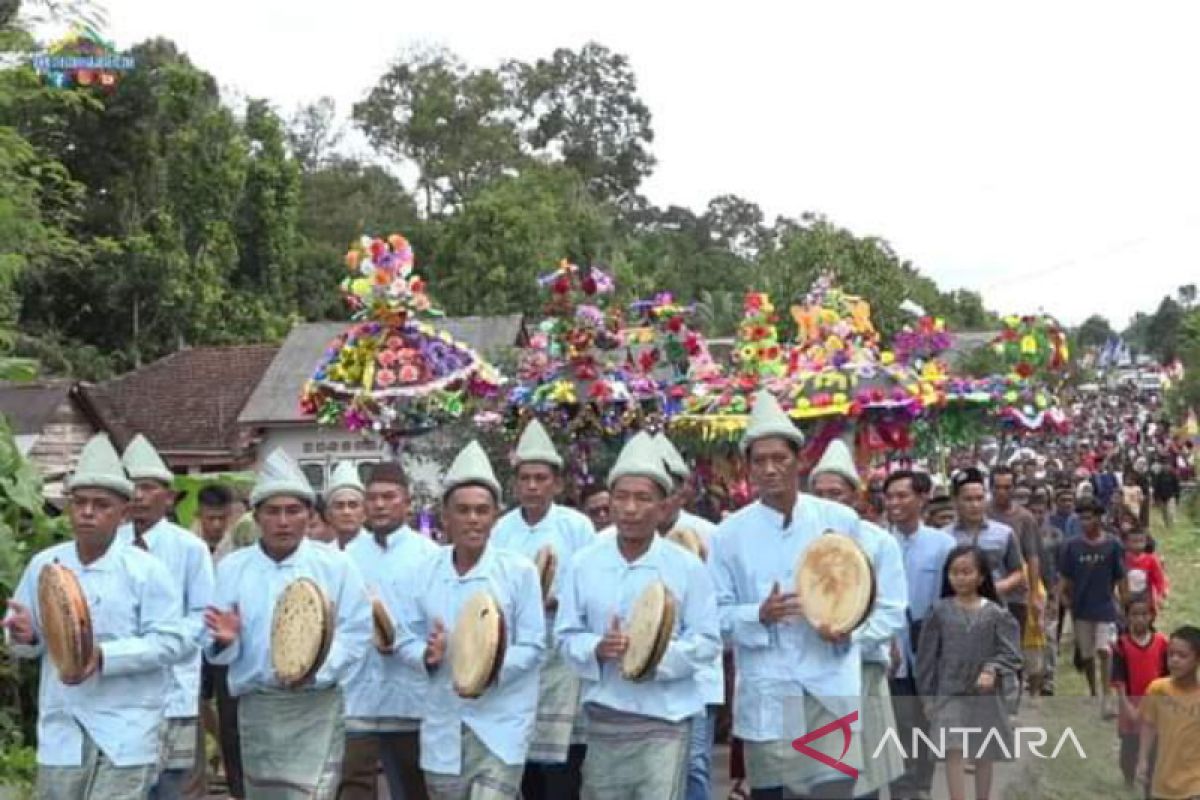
978,572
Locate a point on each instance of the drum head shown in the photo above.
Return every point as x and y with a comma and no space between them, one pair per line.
66,620
835,583
385,629
691,541
477,645
651,624
301,631
547,566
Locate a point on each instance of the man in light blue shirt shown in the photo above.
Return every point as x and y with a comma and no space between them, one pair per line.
791,678
603,584
712,677
99,730
836,478
292,733
475,747
535,524
187,559
385,698
925,550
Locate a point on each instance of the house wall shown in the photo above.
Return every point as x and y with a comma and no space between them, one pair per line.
319,449
57,447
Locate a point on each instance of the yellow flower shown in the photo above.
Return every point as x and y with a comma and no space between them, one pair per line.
887,357
563,392
1029,345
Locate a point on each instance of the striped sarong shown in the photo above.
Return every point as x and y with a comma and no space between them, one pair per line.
776,764
292,743
633,757
878,718
96,778
558,705
483,775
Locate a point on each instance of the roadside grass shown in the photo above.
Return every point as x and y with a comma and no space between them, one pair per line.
1099,776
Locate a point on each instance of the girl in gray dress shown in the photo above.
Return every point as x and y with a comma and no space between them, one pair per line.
969,647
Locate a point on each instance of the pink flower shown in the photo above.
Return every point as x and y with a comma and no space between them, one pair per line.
395,343
386,358
385,377
409,373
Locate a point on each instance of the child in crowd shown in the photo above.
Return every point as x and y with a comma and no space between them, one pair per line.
1139,657
967,650
1143,569
1171,720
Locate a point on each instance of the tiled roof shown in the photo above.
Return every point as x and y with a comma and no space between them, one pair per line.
29,406
187,401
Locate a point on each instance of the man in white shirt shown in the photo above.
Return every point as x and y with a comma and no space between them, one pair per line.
385,698
188,561
836,478
539,522
475,749
792,679
293,734
639,735
99,731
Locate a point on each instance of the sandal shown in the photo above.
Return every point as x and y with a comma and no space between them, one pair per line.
739,791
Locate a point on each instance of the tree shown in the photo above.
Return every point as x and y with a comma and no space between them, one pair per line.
1094,332
340,201
454,124
314,134
736,224
486,258
266,215
1187,295
1162,331
802,249
582,107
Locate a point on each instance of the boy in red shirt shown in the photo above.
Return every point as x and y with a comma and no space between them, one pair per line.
1139,657
1144,570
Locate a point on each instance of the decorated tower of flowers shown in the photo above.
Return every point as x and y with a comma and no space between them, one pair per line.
391,371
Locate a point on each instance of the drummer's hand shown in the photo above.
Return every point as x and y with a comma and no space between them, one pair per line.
614,644
19,623
296,684
93,667
223,626
435,645
987,681
826,632
779,605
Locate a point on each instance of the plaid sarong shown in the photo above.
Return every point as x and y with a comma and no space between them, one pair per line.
292,743
96,778
878,717
483,776
558,706
177,747
633,757
776,764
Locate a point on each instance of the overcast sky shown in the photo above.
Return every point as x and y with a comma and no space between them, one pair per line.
1045,154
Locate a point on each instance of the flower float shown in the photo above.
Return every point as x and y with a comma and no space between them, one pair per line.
1032,345
391,371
